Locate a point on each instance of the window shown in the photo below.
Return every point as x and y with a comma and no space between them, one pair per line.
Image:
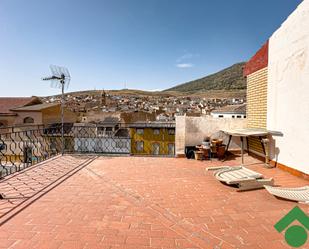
1,124
101,131
140,146
140,131
155,149
28,120
238,116
220,116
233,116
171,131
171,149
245,116
156,131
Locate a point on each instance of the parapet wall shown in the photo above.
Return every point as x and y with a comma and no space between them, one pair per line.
192,130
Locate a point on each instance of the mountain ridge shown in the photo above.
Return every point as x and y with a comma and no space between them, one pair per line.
230,78
228,82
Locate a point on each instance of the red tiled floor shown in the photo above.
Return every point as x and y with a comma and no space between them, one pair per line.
23,185
139,202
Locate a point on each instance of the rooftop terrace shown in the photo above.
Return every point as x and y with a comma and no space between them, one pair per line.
138,202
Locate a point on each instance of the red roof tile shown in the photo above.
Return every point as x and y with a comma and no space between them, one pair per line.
258,61
6,104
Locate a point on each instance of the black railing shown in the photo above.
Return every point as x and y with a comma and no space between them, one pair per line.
23,146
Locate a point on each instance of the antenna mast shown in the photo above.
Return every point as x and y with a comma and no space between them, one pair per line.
60,79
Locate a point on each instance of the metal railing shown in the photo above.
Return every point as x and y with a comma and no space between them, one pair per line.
23,146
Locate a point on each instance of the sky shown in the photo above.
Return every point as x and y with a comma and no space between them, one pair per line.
136,44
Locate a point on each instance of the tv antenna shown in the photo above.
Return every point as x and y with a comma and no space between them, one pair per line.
60,79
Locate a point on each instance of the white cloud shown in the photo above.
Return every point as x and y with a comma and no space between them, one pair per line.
187,56
184,65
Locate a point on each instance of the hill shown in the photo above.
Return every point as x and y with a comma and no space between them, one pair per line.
229,79
128,92
228,83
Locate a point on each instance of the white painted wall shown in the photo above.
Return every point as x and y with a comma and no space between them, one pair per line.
288,90
192,130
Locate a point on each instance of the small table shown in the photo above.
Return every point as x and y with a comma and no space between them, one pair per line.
245,133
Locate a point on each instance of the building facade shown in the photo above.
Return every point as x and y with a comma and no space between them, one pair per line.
155,138
31,111
230,111
278,90
7,116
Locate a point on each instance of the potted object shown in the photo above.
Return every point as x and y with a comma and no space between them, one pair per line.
221,151
213,149
217,142
206,153
198,155
206,147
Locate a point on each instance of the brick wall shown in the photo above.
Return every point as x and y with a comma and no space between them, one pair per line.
257,105
257,99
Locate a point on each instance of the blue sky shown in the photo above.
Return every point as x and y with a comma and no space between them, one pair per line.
143,44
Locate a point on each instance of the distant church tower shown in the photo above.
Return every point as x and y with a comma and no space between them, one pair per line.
103,98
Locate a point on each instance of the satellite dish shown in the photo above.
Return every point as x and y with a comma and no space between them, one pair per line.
60,78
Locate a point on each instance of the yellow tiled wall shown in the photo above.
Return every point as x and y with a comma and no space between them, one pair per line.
257,104
257,99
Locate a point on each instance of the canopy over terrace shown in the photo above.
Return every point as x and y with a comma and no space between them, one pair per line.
248,132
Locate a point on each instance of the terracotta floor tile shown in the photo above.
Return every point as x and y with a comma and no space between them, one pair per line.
140,203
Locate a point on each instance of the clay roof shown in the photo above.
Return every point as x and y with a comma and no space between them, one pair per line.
35,108
258,61
241,109
7,104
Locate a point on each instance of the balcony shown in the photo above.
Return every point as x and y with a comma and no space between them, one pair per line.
24,146
90,198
